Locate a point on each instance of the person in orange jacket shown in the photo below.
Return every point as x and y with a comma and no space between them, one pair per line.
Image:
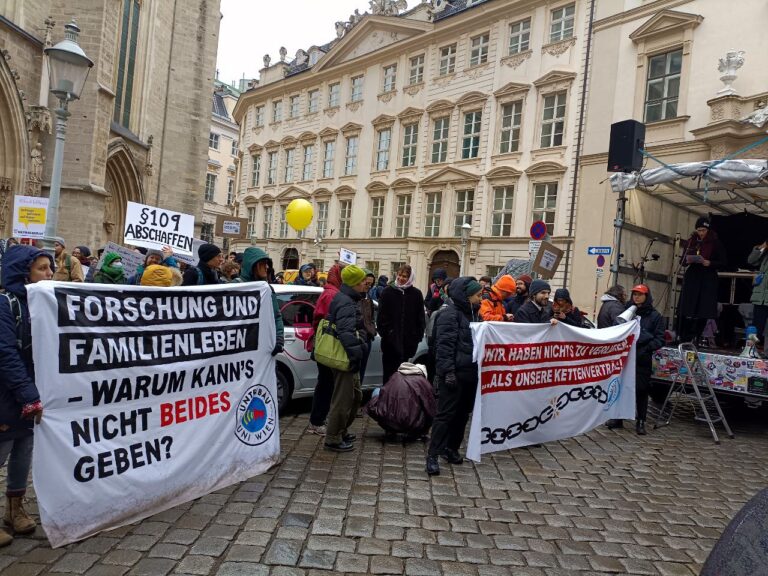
492,307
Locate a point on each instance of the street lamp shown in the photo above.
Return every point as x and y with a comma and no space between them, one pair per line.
68,68
466,230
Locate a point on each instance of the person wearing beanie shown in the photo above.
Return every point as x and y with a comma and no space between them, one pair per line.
307,275
703,256
433,301
344,313
455,372
401,321
492,307
68,268
536,309
564,311
151,257
522,283
207,270
157,275
111,271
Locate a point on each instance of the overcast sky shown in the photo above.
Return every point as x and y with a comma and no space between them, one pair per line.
252,28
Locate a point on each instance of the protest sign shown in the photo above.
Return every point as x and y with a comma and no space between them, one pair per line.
153,397
347,256
29,216
547,260
131,260
194,258
231,227
154,227
539,383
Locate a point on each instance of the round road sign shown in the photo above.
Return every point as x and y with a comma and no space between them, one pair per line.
538,230
600,261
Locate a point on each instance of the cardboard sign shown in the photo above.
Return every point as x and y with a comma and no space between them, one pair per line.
131,260
347,256
231,227
154,227
29,216
547,260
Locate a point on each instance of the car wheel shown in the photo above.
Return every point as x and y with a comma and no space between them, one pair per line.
284,390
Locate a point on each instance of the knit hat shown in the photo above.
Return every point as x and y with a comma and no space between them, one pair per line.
153,252
156,275
563,294
352,275
537,286
439,274
505,284
702,222
60,240
208,252
84,251
525,278
472,287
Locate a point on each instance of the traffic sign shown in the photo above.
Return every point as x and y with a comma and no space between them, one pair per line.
533,246
595,250
538,230
600,271
600,261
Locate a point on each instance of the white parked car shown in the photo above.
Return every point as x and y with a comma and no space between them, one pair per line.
296,371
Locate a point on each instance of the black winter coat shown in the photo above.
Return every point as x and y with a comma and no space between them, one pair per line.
515,303
529,313
453,335
651,332
698,297
609,311
405,405
344,311
401,320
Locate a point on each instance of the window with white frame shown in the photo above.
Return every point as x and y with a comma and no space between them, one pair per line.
478,53
328,159
410,144
290,155
277,111
210,187
272,168
350,161
267,224
322,219
233,151
503,199
294,106
357,89
313,101
440,129
493,271
206,232
309,160
345,217
553,120
334,95
470,144
416,75
511,116
561,27
283,221
230,191
251,222
545,204
465,200
213,140
383,143
390,78
394,267
519,36
447,60
377,217
403,216
255,169
434,202
259,120
663,87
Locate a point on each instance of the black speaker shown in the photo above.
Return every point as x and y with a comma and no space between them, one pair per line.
627,139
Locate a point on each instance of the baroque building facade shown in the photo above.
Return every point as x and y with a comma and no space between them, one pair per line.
140,130
412,123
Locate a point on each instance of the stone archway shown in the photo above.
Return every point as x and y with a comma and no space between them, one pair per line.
14,146
123,184
447,259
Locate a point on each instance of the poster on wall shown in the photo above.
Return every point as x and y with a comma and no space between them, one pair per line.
30,214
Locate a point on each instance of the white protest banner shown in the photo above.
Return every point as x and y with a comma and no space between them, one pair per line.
29,216
154,227
153,397
131,260
540,383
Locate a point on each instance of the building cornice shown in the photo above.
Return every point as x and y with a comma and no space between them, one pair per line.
648,9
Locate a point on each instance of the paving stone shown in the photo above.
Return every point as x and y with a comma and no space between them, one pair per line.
196,565
373,546
153,567
435,552
75,563
242,569
107,570
283,552
244,553
181,536
331,543
209,547
422,567
165,550
322,559
346,562
407,550
606,564
122,557
386,565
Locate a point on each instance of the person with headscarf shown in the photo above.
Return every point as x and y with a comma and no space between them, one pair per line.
613,304
111,271
158,276
433,301
401,321
306,276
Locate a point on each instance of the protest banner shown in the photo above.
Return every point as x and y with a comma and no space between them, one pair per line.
29,216
153,397
131,260
154,227
540,383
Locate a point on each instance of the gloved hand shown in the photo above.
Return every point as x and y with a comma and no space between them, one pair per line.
277,349
33,410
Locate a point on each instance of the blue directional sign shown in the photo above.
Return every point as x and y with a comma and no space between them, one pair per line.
596,250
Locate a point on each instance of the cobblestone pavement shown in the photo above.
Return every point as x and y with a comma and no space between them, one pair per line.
605,502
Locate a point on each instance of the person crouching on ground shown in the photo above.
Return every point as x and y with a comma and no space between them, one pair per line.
344,312
19,399
456,370
492,307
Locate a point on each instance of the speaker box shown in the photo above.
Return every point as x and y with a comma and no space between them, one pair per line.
627,138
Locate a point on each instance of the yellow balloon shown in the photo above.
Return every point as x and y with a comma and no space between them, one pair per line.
299,214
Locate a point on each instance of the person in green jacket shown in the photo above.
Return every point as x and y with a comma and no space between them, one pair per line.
257,267
759,257
111,271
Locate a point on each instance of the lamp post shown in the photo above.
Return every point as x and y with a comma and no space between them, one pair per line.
466,230
68,68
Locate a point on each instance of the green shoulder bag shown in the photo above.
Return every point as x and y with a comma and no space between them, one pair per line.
328,349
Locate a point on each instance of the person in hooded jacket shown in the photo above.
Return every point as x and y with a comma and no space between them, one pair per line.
19,399
375,292
456,371
564,311
306,276
257,267
651,339
433,301
401,321
344,313
492,308
111,271
613,304
406,404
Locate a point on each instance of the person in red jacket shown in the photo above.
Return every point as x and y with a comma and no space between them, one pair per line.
492,308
